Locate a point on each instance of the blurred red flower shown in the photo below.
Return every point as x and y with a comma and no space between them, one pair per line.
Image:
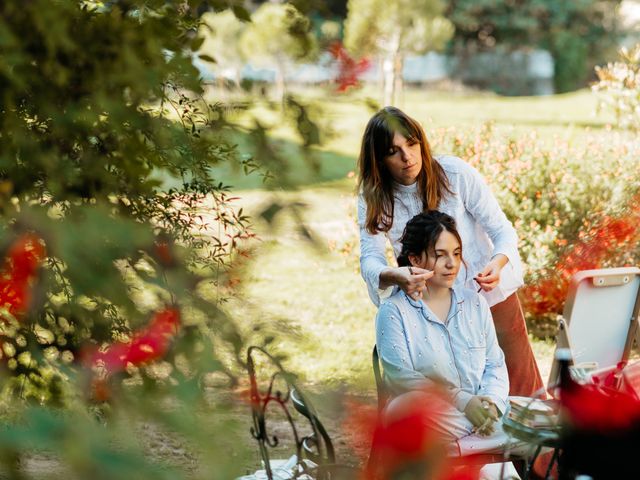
19,272
349,69
148,344
591,408
405,445
163,253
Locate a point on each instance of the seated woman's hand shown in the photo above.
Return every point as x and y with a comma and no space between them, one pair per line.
482,413
412,280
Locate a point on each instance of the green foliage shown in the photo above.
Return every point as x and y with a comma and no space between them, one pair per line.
374,26
618,87
277,36
88,132
571,61
579,34
221,32
392,29
553,194
107,150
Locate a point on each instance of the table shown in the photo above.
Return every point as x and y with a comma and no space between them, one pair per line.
535,436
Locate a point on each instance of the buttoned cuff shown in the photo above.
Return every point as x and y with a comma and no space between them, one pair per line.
384,292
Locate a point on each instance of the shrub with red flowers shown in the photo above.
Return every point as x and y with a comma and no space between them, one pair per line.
148,344
574,207
21,264
601,245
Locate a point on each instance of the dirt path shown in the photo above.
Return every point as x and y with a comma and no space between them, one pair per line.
348,418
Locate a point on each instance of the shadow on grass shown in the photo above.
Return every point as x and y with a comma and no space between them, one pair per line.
294,168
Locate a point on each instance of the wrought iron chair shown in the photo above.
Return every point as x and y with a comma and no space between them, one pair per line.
316,446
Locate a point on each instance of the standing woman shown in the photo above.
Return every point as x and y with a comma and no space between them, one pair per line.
399,178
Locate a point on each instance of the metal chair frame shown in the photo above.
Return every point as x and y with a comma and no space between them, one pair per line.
317,446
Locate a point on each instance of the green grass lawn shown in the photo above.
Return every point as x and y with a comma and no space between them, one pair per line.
313,297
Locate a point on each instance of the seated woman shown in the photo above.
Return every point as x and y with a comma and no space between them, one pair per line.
446,339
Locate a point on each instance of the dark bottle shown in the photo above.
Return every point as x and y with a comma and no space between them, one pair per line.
565,384
564,359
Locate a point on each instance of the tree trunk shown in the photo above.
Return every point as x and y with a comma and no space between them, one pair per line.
221,88
398,82
391,49
237,78
388,85
380,83
280,83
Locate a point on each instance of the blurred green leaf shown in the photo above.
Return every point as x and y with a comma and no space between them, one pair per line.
207,58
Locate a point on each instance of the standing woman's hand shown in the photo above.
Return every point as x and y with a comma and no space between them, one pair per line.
412,280
489,277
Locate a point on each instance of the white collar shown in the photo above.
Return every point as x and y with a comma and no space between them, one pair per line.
400,188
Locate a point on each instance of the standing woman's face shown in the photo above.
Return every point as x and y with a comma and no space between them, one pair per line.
404,159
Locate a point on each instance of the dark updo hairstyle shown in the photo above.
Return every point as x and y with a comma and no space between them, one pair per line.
422,232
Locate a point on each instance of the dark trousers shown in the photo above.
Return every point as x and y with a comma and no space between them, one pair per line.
524,376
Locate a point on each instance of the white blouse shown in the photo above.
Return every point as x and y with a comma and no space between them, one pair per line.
483,227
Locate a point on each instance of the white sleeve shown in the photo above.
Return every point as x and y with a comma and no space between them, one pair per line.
372,256
480,202
495,379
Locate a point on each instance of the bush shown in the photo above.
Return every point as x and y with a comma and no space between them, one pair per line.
619,88
574,207
571,58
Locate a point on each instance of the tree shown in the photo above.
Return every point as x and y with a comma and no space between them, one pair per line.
579,34
277,36
392,29
221,31
116,239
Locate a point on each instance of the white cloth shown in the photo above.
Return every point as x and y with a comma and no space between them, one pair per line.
498,471
483,227
456,430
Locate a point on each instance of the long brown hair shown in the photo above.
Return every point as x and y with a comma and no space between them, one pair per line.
375,181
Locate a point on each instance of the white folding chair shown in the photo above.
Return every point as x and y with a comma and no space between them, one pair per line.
600,321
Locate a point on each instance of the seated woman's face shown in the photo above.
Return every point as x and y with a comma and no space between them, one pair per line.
404,159
445,261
